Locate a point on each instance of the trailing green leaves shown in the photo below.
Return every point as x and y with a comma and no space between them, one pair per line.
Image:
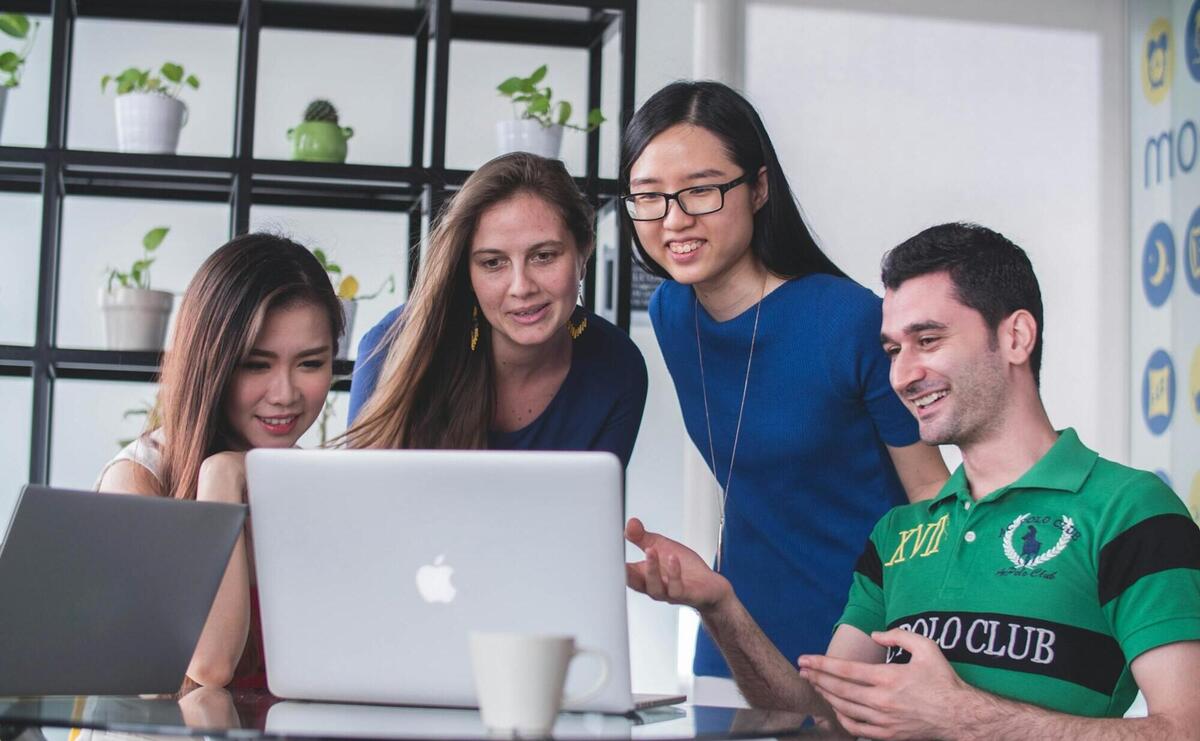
154,237
14,24
536,103
146,409
169,81
138,275
172,72
346,287
18,27
330,267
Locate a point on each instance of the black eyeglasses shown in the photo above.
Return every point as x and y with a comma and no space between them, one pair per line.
695,201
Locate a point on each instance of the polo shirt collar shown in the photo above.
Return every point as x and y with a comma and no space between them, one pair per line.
1065,466
955,488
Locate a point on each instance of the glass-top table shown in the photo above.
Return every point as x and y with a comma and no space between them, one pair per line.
254,714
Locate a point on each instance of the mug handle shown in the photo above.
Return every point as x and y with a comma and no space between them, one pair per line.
347,132
185,117
599,684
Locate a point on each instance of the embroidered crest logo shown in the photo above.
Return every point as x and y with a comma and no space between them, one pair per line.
1031,555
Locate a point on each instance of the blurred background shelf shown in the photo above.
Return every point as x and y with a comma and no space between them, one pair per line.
58,171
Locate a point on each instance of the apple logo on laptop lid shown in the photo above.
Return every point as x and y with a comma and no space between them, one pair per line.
433,581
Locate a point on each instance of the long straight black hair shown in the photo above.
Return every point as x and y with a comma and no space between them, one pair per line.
781,239
224,308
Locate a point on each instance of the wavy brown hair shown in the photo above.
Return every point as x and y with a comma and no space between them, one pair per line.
434,391
222,313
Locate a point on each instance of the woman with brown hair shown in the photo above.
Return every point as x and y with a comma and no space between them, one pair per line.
492,350
249,366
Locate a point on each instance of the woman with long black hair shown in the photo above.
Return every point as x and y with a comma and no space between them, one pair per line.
776,360
249,367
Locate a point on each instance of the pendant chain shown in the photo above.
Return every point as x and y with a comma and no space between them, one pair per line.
712,456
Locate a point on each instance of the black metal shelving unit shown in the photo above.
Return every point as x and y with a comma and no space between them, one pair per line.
240,180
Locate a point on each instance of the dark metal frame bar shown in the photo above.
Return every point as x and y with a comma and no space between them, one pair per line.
52,197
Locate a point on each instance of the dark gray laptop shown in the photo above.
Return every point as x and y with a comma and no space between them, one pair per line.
107,593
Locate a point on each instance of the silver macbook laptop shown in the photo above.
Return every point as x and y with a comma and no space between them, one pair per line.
373,566
107,593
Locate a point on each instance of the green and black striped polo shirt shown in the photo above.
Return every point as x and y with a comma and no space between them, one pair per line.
1045,590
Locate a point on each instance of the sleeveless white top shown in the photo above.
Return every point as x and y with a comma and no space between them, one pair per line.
146,451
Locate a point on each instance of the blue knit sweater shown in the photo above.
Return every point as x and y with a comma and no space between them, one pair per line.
598,407
812,474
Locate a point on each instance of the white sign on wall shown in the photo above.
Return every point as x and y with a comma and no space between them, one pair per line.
1165,242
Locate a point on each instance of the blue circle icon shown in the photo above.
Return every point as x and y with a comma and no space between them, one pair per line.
1158,392
1191,249
1191,40
1158,264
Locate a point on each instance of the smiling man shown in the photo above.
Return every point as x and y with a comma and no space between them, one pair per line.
1033,595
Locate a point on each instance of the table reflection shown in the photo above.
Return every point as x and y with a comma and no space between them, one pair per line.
216,712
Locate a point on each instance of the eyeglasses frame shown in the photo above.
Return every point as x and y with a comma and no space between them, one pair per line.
723,188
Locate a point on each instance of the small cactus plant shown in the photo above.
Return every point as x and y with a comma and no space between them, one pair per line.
319,137
321,110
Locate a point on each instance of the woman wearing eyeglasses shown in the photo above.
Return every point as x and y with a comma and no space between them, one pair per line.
776,360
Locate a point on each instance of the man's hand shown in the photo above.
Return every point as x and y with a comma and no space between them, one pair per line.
892,701
672,572
676,574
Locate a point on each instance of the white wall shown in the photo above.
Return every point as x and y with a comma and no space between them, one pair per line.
16,401
892,117
22,220
655,481
24,123
108,47
368,79
99,233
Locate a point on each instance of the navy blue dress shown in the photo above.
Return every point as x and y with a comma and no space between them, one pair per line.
598,407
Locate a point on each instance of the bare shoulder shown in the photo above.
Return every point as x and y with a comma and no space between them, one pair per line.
129,477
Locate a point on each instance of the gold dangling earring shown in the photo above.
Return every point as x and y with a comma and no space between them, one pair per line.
474,326
576,328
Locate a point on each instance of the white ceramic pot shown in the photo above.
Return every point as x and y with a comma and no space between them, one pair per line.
3,98
135,318
149,122
349,308
527,135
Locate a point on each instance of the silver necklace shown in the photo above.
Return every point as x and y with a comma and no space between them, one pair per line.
712,455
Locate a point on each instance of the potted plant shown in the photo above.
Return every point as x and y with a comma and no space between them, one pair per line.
346,287
135,316
539,121
149,111
319,138
18,27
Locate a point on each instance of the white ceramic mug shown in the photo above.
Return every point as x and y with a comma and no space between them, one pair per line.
519,680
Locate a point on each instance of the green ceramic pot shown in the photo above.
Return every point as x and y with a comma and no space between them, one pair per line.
319,141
